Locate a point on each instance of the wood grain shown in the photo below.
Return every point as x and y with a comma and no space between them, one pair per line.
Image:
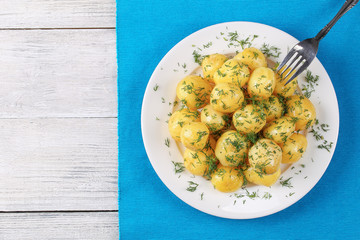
58,73
57,14
58,164
44,226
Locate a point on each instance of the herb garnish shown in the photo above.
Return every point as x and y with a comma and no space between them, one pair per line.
167,142
270,51
311,82
192,186
178,167
286,183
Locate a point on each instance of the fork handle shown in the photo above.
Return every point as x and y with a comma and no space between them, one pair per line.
346,7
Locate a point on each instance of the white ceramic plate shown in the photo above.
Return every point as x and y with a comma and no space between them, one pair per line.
252,201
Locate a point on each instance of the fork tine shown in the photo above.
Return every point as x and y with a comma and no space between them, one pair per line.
286,59
294,68
297,59
300,70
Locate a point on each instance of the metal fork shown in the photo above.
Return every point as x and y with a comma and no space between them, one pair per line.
305,51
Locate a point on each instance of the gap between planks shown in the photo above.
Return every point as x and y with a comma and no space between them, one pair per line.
61,211
45,29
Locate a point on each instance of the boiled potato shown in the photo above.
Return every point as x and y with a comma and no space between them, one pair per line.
252,57
250,118
193,91
213,119
232,149
274,108
179,119
227,179
198,163
302,111
293,148
226,98
195,135
252,175
281,89
232,71
262,83
280,129
265,157
211,64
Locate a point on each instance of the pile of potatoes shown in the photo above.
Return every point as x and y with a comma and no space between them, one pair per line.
239,121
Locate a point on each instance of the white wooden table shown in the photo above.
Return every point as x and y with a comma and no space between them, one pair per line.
58,120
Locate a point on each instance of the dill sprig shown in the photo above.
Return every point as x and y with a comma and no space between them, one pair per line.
311,82
167,142
286,183
192,186
178,167
270,51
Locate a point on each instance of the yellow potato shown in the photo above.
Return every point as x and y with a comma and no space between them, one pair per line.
252,57
179,119
213,119
198,163
261,179
250,118
195,135
280,129
294,148
262,83
281,89
193,91
302,111
211,64
226,98
273,108
227,179
265,157
232,149
210,146
232,71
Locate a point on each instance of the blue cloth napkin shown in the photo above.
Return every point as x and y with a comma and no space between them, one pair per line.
146,31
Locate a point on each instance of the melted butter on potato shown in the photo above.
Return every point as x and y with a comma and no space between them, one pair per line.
232,71
252,57
281,89
293,148
211,64
193,91
226,97
179,119
232,149
268,180
262,83
274,108
199,163
280,129
213,119
265,157
195,135
302,110
227,179
250,118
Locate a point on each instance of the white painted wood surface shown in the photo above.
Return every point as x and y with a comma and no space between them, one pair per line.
57,13
58,164
58,73
45,226
58,120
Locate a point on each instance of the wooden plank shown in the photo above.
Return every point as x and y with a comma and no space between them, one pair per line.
44,226
58,164
58,73
57,14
